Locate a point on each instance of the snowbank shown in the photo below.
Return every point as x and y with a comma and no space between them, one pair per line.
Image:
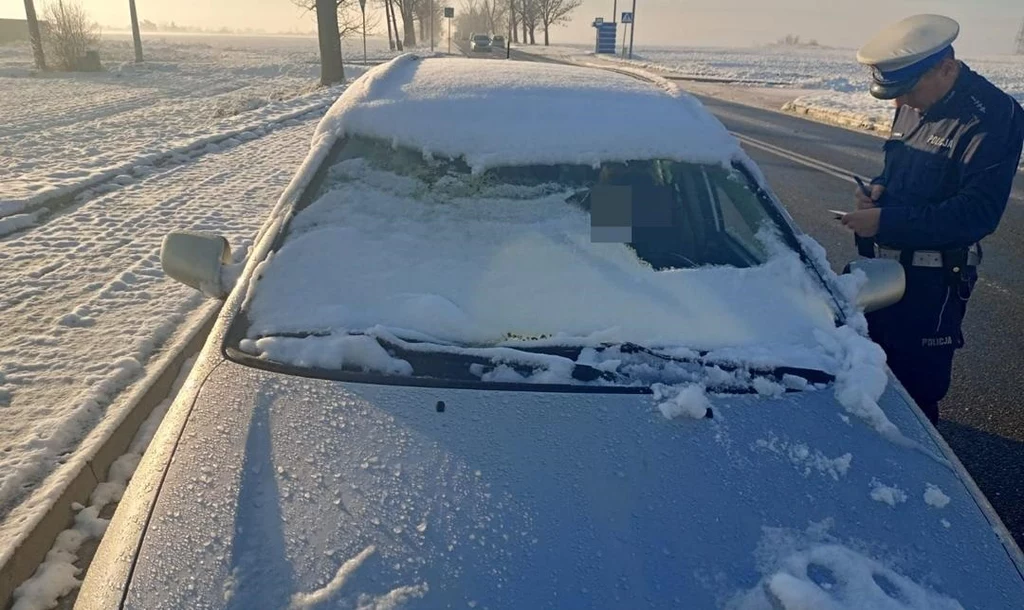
57,575
63,133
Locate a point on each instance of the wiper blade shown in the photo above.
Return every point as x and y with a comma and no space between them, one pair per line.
777,373
444,362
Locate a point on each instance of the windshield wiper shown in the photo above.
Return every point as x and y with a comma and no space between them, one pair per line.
444,362
776,373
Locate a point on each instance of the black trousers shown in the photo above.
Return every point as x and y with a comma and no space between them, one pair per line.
921,333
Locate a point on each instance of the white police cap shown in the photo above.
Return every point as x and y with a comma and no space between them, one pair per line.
900,54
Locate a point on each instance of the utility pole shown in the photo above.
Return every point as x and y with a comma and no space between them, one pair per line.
33,34
362,7
431,4
135,31
1020,39
508,41
632,30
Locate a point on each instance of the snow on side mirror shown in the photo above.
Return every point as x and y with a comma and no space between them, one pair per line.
195,259
885,285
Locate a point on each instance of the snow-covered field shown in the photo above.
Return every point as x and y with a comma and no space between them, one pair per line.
62,132
827,83
203,136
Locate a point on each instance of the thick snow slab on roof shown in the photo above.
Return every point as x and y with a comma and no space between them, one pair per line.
497,113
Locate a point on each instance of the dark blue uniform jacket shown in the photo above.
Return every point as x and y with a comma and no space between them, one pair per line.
948,172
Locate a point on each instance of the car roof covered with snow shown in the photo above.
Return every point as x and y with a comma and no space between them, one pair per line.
540,113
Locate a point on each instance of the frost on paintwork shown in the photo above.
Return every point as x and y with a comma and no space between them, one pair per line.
804,458
804,570
353,507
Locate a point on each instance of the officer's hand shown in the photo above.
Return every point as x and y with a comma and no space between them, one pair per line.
863,201
863,222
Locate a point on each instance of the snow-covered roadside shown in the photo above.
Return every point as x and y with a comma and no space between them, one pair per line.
65,133
824,84
87,310
63,570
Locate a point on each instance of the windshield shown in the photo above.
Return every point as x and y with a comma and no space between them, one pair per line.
625,274
481,39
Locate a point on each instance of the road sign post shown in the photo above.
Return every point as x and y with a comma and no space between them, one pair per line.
449,14
362,7
632,28
627,19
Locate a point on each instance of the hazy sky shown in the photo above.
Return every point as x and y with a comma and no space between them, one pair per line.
988,26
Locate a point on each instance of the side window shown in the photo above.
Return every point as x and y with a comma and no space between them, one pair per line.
740,213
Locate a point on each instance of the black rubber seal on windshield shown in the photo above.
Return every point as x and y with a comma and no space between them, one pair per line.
245,359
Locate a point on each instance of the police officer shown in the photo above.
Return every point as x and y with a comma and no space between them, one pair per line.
949,167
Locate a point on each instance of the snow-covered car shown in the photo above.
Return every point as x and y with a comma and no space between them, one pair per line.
480,43
597,366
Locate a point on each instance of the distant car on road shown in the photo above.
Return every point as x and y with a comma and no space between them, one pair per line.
480,43
522,335
498,42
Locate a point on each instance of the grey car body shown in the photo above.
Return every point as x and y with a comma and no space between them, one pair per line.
263,489
480,42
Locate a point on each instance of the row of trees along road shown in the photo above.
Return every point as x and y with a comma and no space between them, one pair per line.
500,17
337,19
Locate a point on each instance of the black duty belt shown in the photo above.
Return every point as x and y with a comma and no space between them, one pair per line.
928,258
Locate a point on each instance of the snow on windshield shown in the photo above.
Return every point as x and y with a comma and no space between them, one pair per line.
513,263
513,113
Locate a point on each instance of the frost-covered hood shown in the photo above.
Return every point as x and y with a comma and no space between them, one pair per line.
288,492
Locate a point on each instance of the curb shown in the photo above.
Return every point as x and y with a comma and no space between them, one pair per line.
31,550
837,117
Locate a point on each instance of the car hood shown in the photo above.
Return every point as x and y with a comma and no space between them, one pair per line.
287,492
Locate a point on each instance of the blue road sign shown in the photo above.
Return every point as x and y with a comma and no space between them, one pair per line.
627,17
605,38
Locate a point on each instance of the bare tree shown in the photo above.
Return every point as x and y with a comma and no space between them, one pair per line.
332,67
471,18
70,34
387,18
495,11
407,8
553,12
33,34
531,18
513,18
349,16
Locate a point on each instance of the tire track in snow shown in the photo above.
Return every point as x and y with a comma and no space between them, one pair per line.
85,305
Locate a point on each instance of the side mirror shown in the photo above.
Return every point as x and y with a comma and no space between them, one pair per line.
196,260
885,285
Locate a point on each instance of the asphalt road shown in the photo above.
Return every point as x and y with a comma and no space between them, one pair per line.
983,414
